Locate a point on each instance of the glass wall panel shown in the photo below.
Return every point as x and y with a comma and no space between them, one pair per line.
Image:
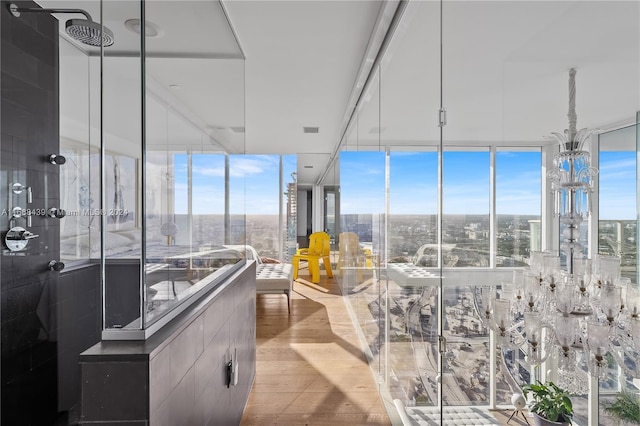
199,195
509,88
80,145
360,240
412,236
413,207
617,236
466,224
618,200
518,206
171,105
409,104
121,164
188,248
503,95
518,232
259,177
361,200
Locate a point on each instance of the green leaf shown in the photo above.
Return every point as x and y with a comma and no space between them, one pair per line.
549,401
626,406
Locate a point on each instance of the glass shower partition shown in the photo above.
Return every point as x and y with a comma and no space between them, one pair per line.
173,102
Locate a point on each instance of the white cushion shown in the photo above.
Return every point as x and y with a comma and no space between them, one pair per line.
272,277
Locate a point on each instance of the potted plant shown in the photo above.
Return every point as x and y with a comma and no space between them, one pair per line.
625,407
549,404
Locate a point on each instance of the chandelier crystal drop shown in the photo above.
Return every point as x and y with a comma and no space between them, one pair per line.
576,310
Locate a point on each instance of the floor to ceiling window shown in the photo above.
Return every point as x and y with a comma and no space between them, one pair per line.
264,187
518,205
413,199
617,236
421,312
466,224
617,226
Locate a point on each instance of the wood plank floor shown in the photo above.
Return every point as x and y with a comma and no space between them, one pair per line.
310,366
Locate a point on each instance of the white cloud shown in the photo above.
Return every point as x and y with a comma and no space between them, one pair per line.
628,163
239,166
208,171
243,166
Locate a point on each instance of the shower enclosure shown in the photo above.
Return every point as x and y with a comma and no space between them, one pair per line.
148,123
116,121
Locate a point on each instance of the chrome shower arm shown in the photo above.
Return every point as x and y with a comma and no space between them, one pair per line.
15,10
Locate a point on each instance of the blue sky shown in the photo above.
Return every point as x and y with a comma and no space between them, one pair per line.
253,187
518,182
413,183
617,185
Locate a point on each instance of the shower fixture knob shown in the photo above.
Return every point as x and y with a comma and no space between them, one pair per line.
56,212
55,265
17,238
14,10
57,159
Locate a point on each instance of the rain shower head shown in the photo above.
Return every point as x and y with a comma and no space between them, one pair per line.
86,31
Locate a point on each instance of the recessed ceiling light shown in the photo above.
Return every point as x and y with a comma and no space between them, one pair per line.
175,86
151,29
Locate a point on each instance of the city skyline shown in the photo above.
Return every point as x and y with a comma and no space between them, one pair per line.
254,183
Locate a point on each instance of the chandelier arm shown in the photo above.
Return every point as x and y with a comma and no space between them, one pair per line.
516,336
518,339
535,361
513,328
585,174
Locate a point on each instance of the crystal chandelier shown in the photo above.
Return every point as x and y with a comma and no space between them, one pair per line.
566,307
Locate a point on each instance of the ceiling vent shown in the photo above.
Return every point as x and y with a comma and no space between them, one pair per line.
237,129
311,130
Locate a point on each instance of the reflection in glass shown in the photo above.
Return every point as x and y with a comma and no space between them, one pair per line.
79,183
361,204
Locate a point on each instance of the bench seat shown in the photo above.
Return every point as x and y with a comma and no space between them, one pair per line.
275,278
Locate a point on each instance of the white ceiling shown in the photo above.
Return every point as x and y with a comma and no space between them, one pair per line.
302,60
505,69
